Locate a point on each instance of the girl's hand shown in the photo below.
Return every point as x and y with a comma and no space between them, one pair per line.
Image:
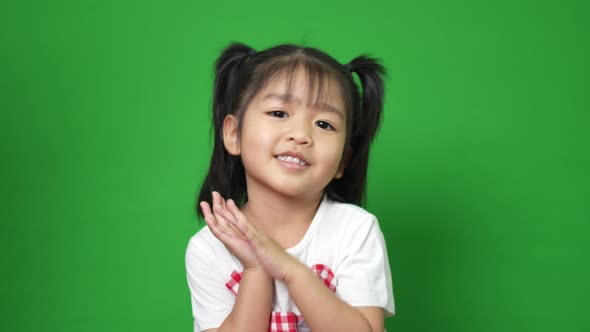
275,261
221,224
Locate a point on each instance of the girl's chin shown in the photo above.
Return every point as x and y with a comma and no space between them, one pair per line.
299,194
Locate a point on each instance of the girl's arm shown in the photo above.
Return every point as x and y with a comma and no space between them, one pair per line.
251,311
253,305
323,310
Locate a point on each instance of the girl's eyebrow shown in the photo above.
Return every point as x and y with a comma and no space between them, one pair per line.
289,97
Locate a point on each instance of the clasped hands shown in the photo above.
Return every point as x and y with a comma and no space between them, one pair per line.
251,246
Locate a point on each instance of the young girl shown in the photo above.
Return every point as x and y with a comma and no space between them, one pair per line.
287,247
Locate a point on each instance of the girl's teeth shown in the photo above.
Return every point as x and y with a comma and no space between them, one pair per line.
294,160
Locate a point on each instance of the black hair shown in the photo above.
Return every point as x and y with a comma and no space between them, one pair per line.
241,72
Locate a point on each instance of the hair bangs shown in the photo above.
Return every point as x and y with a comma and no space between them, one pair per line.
321,78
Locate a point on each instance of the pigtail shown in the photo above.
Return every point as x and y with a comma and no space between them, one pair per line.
370,74
364,127
226,172
227,77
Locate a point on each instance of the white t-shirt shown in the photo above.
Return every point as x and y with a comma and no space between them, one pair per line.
343,245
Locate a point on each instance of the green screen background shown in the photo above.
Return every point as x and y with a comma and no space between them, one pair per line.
479,175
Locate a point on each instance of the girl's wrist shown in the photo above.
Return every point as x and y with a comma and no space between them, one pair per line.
256,271
296,272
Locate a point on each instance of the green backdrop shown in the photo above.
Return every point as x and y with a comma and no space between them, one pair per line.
479,176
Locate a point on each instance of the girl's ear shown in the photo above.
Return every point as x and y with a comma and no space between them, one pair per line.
345,159
230,135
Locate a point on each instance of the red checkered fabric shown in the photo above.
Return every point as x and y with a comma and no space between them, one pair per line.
326,275
287,321
234,282
283,322
322,271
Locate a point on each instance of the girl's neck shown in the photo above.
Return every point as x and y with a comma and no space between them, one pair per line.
285,219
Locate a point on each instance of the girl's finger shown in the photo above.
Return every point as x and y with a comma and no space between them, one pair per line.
223,210
214,197
225,213
241,222
205,208
235,211
226,220
220,234
248,230
214,226
209,217
218,199
218,211
218,202
220,214
215,223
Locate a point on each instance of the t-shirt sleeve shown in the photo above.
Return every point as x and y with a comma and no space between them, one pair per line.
211,301
364,277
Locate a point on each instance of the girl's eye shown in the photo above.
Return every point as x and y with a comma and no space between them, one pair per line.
278,114
324,125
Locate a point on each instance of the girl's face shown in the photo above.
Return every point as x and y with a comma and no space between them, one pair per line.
289,144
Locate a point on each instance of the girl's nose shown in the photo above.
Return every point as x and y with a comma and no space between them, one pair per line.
300,134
